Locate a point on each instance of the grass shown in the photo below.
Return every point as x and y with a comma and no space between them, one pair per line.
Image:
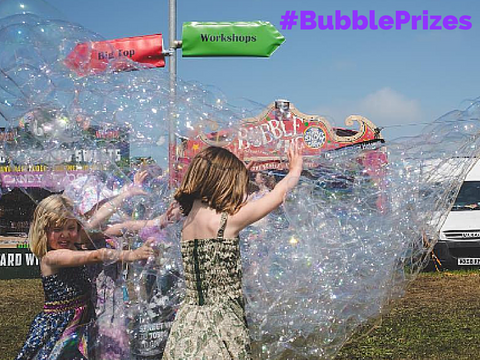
438,319
21,300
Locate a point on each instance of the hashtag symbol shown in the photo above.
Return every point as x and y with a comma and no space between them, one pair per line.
288,20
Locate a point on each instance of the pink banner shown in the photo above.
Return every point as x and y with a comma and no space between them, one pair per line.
37,179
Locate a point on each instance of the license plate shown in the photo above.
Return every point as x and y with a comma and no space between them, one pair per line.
468,261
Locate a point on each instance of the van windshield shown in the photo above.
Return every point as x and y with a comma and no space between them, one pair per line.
469,197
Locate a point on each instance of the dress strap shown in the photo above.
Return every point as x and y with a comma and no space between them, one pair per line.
223,224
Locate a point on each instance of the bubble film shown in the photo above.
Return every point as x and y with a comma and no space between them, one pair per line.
345,242
349,238
33,7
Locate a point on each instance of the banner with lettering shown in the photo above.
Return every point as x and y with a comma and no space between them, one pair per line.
96,57
263,138
78,158
18,262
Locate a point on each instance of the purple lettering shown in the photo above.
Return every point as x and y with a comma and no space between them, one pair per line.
373,26
356,18
307,20
450,22
401,17
436,19
415,20
338,21
425,19
465,21
385,22
321,24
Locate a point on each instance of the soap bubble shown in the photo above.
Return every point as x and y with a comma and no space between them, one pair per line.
32,7
346,241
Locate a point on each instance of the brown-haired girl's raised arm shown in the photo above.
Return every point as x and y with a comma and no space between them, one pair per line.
256,210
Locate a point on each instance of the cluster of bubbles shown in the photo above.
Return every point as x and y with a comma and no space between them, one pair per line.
346,241
351,235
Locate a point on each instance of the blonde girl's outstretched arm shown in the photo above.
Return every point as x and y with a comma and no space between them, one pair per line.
105,211
256,210
170,216
131,226
71,258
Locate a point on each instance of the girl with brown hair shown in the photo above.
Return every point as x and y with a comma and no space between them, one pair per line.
210,323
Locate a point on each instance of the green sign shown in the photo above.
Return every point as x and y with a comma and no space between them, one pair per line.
253,38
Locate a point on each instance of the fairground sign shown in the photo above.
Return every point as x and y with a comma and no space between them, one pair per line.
266,138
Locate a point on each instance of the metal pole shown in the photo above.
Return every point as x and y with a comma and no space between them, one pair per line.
172,67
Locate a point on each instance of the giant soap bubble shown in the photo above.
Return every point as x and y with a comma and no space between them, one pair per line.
32,7
346,241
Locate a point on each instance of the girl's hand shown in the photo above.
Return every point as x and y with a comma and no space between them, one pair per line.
144,252
135,190
295,158
171,216
173,212
139,178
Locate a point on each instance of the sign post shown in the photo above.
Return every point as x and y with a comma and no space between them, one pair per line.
253,38
172,67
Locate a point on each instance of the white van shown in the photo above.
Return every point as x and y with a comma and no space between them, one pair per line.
459,240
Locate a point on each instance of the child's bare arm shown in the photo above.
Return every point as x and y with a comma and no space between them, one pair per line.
131,225
142,253
106,210
170,216
71,258
110,207
255,210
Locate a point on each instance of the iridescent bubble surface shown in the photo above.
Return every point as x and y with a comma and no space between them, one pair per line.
345,242
32,7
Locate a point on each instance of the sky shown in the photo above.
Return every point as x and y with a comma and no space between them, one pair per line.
399,79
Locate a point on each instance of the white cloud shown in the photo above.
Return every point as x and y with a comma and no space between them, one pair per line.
385,108
389,107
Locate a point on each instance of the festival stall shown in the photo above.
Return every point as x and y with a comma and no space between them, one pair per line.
265,138
24,185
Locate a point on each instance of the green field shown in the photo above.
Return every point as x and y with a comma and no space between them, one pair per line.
438,319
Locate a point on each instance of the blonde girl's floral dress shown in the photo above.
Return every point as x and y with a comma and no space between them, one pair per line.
211,323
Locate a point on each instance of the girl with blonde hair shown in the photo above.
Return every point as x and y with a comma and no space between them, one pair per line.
210,323
63,329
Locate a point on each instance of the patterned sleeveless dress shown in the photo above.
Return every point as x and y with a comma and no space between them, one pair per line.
61,330
211,323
